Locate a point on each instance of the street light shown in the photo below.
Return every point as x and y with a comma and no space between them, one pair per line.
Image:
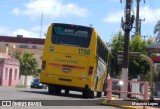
120,82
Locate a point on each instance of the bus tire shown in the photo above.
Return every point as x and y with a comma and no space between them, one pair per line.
57,90
66,92
84,94
105,93
88,94
51,89
99,94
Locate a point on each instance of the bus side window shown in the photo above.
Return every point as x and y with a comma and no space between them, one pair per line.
102,52
98,47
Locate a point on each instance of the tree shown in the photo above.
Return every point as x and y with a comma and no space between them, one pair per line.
28,64
157,31
116,45
136,67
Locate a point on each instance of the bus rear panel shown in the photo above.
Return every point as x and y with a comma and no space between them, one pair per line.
69,59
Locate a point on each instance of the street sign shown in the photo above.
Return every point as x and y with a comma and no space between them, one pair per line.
134,55
119,58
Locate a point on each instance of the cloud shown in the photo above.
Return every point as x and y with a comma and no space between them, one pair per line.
34,32
145,12
41,30
113,17
149,15
25,33
50,8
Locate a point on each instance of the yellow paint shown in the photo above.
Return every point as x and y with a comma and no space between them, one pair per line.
69,55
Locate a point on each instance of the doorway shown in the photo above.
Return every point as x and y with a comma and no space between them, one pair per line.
10,77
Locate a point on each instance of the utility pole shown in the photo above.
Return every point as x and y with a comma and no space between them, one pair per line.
140,22
126,26
137,17
41,25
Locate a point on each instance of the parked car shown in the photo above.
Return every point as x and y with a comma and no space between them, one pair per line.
115,86
36,84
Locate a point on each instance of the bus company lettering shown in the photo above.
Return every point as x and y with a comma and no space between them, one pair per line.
76,32
66,61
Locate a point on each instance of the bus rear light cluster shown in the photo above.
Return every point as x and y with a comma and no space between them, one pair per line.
90,72
43,65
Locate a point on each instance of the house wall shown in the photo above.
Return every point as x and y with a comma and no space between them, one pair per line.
10,72
25,80
1,72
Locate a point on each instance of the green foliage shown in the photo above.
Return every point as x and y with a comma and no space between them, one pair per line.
28,64
136,66
157,27
117,44
157,30
137,44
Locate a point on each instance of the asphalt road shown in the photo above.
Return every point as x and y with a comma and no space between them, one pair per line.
73,101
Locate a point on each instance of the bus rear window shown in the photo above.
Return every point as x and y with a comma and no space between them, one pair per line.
71,35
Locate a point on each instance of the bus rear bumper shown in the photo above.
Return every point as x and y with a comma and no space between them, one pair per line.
69,83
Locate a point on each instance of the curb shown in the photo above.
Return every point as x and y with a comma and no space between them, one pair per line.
105,102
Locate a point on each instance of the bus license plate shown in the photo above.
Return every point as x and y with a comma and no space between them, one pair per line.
66,70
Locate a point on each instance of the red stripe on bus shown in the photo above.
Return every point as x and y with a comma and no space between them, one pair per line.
63,65
54,64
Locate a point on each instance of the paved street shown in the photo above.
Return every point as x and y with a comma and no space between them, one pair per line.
8,93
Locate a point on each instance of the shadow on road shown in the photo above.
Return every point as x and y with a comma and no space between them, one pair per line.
68,102
46,93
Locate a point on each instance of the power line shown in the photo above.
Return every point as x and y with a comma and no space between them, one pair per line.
153,10
155,6
145,27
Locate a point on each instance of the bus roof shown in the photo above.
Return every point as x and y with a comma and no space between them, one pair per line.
72,25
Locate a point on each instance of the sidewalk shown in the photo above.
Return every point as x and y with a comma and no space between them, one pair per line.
130,103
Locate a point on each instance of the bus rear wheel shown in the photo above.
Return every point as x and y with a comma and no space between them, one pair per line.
57,90
51,89
88,94
66,92
99,94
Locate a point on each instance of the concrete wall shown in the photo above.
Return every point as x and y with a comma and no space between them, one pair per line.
135,88
25,80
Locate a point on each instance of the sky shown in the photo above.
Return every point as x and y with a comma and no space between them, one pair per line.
29,17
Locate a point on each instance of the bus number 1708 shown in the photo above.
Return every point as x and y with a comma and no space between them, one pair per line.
84,51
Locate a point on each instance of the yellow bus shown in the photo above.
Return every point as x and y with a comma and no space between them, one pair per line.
74,58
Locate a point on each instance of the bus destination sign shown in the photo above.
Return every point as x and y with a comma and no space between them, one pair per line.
71,32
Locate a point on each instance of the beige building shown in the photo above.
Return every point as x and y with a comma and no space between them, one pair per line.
19,45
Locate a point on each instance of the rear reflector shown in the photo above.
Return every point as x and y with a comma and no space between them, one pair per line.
43,65
90,72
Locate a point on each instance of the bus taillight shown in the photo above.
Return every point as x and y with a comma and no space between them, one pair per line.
43,65
90,72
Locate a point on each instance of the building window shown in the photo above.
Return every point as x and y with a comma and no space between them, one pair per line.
15,74
6,74
34,47
23,46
